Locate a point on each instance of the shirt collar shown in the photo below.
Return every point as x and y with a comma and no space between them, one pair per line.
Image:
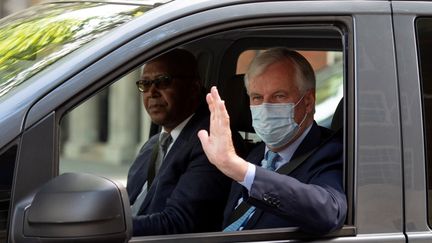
177,130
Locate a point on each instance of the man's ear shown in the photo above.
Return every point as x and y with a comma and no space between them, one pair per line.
310,101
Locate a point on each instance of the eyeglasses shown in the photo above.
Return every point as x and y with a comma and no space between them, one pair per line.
160,82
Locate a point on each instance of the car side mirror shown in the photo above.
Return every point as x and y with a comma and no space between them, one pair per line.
78,207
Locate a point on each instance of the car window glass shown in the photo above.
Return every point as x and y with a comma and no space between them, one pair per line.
30,42
103,134
7,165
424,35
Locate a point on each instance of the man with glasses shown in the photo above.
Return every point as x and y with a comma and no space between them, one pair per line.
172,186
294,178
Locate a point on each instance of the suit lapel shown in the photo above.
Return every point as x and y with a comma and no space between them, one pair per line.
141,172
312,140
180,144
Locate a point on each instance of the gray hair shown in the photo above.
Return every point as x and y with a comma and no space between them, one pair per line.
305,75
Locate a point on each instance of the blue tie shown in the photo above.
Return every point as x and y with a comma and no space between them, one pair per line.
270,160
268,163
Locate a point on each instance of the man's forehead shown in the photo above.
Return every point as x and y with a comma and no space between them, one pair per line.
161,67
155,68
272,86
154,73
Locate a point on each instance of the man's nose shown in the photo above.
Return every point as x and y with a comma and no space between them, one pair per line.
153,91
267,99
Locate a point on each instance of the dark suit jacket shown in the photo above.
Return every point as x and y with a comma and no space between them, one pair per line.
310,197
188,194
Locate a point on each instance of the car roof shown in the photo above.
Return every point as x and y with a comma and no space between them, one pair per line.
137,2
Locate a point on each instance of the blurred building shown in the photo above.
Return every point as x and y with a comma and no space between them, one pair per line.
10,6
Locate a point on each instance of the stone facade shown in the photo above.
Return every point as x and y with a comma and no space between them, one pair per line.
11,6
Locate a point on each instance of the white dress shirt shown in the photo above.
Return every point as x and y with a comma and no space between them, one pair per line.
175,132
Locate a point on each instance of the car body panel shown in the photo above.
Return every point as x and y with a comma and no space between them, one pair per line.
385,177
365,88
378,157
405,15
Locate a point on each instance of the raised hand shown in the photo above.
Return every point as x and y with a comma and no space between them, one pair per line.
217,144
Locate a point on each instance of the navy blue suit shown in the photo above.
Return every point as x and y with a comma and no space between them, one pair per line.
310,197
188,194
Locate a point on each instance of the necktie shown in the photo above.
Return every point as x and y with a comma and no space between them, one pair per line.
165,141
163,145
269,163
270,160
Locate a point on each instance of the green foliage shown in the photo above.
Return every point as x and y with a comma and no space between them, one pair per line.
37,38
24,41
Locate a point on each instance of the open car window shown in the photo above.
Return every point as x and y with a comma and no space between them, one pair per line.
103,134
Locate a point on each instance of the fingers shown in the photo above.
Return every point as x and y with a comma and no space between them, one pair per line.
213,99
215,94
210,102
204,138
219,106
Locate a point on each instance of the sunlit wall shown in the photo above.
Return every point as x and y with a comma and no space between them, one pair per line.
10,6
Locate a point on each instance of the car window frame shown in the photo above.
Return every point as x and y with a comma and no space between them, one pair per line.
268,234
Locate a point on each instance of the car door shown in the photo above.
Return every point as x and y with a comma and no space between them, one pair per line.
372,166
412,27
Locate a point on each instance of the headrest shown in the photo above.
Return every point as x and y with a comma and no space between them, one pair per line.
337,120
237,104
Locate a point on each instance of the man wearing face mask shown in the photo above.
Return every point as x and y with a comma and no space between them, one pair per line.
306,189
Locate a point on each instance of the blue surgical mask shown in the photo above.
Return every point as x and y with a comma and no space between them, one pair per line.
274,122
